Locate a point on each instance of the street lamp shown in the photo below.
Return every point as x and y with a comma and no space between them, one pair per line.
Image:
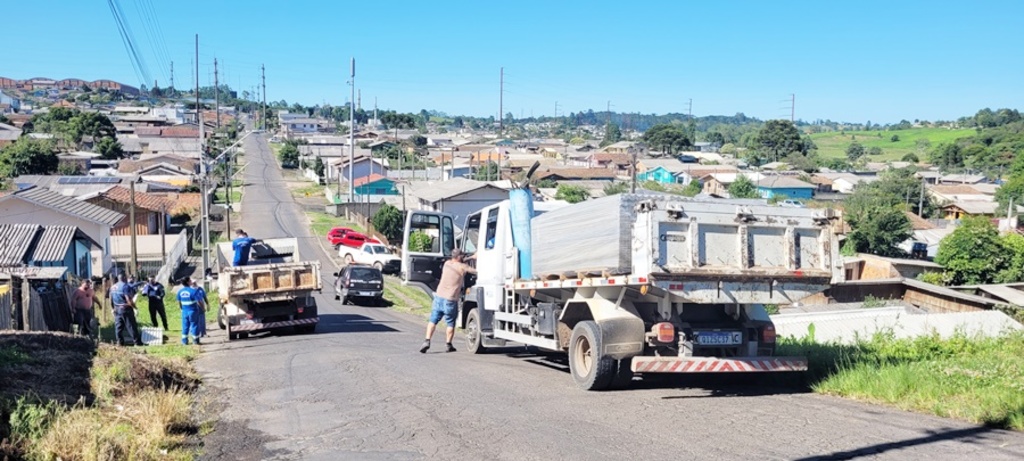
633,151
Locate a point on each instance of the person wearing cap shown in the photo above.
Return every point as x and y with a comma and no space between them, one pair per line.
154,292
242,244
446,298
189,301
124,311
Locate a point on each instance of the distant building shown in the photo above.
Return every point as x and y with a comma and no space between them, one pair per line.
778,186
9,101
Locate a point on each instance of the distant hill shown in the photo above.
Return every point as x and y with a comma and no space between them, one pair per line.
834,144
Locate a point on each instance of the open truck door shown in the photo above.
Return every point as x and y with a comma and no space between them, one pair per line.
428,240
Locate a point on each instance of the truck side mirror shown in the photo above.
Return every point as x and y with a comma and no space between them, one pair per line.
335,274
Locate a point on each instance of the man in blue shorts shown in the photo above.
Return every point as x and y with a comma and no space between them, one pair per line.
446,299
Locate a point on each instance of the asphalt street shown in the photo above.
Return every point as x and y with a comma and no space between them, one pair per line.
359,389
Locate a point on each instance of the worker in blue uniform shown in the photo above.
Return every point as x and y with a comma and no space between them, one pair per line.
189,301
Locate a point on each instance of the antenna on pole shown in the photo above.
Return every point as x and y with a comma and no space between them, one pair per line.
689,109
172,75
792,108
263,77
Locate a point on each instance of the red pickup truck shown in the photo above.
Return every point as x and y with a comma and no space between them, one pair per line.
339,236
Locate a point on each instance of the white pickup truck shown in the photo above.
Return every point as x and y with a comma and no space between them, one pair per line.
372,254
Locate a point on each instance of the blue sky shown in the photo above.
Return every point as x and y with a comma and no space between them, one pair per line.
848,61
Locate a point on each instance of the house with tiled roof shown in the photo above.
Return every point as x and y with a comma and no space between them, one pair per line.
150,209
37,205
591,174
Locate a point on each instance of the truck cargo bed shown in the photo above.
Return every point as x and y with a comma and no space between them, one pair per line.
269,279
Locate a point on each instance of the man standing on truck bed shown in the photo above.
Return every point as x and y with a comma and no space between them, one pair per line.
446,299
242,244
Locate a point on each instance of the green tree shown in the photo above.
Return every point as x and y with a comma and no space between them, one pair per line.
743,187
911,157
28,156
418,140
667,137
1013,243
388,221
109,149
571,194
487,172
616,188
854,151
93,124
875,150
612,134
692,189
779,138
319,167
877,229
895,138
973,254
289,155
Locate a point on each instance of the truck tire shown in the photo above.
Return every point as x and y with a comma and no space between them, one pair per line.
590,369
222,314
623,374
474,338
231,335
348,259
306,329
377,265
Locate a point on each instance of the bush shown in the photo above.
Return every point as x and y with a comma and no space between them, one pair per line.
420,242
388,221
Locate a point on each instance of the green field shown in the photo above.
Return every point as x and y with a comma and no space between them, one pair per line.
834,144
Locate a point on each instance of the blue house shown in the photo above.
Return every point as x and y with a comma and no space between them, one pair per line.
658,174
374,184
789,187
46,246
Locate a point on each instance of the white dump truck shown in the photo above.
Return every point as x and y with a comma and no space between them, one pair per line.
273,291
632,283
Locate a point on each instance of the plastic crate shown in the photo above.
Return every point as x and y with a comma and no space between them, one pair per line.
152,336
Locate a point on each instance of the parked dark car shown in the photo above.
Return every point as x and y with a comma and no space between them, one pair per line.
359,282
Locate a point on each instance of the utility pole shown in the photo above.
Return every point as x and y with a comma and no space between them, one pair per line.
608,111
689,109
359,100
920,200
375,111
203,193
263,77
172,76
216,92
556,109
792,108
131,222
501,104
351,129
632,171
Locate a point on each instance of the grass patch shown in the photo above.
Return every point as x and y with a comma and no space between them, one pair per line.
406,299
136,406
221,195
320,223
172,347
834,144
312,190
980,380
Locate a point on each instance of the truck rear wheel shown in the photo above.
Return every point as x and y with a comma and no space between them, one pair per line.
222,316
474,337
591,370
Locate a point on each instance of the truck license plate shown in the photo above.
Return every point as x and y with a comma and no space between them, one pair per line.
719,338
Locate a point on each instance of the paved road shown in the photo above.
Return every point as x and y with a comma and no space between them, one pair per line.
359,390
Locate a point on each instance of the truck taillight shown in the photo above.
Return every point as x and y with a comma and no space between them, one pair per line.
768,334
664,331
